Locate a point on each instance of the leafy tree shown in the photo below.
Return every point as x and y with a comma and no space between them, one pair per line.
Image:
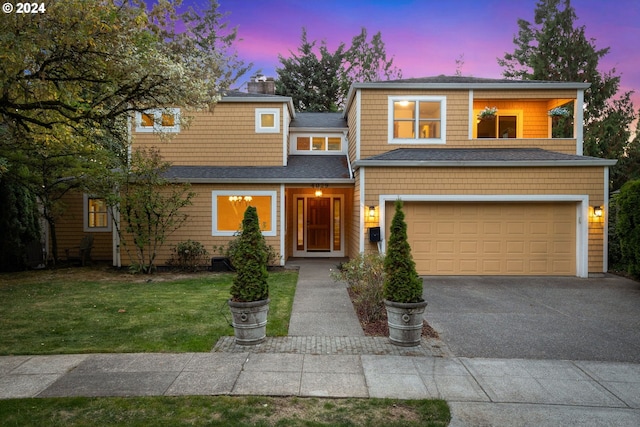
19,224
321,83
628,226
401,283
148,205
250,261
554,49
367,61
72,76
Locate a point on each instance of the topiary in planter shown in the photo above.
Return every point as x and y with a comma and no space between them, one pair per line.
402,286
402,283
250,261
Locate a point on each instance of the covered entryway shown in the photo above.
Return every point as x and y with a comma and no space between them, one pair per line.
491,238
319,225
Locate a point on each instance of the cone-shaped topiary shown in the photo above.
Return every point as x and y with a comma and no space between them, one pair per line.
402,283
250,261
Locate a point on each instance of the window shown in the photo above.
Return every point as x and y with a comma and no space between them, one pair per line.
318,144
267,120
417,120
161,120
96,214
229,207
505,124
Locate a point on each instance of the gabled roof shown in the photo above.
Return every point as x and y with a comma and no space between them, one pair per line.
330,169
319,121
480,157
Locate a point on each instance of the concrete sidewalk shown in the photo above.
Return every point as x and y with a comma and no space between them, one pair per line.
495,392
326,355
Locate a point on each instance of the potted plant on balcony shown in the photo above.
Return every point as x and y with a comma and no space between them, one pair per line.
488,113
402,286
249,302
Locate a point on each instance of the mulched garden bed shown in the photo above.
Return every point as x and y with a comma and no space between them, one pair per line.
381,328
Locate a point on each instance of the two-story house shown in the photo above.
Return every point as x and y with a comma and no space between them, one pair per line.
506,195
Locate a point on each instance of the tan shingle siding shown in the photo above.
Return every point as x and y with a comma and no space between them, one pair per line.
224,137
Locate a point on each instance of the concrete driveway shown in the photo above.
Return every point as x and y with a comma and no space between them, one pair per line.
537,317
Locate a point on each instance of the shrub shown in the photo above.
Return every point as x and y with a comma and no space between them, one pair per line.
364,276
189,255
250,261
402,283
628,226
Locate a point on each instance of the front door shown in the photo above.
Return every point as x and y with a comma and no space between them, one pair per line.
319,226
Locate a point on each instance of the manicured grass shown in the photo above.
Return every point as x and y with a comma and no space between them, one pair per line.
84,310
223,411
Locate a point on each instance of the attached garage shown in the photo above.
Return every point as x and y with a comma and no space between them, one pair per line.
491,238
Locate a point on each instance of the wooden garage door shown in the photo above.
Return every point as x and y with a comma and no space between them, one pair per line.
491,238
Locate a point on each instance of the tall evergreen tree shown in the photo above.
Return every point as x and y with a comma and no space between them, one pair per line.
319,80
553,48
313,82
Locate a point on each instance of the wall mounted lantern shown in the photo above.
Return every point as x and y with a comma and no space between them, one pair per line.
372,212
597,211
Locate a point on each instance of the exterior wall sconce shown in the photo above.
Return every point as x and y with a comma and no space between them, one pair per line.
318,193
597,211
372,212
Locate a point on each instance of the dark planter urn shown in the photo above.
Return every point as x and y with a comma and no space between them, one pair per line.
249,321
405,322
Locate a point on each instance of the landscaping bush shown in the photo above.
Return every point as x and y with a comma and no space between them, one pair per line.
628,226
402,283
189,255
364,276
250,261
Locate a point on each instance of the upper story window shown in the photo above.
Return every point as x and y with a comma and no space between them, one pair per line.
417,119
267,120
317,144
158,120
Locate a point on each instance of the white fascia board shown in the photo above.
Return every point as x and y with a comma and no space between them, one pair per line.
518,84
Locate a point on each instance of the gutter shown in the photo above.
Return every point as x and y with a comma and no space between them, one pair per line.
483,163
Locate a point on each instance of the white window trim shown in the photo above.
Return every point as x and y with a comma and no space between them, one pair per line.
294,143
85,216
519,123
418,141
157,118
273,129
214,211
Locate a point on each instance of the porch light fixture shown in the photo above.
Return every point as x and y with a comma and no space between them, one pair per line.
372,212
318,193
597,211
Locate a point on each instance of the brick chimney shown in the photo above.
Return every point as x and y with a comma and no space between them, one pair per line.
262,84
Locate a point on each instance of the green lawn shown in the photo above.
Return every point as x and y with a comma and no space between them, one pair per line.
85,310
222,411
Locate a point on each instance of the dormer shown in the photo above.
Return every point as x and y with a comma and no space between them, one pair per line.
318,134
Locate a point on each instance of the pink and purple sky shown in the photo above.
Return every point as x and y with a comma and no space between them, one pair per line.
425,37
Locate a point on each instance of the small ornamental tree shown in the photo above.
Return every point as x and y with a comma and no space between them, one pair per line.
402,283
628,226
250,261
